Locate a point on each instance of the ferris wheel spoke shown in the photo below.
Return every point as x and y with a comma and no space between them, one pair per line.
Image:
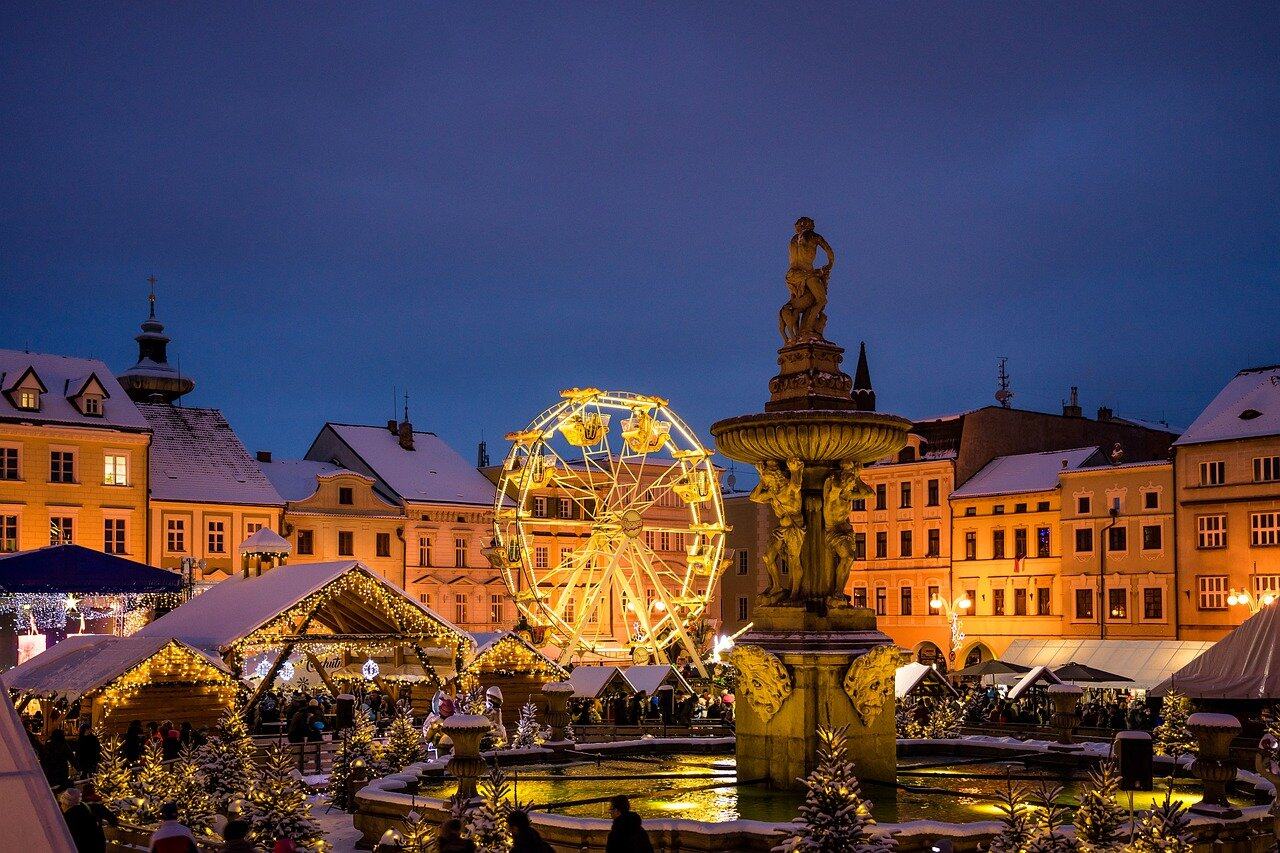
589,601
676,623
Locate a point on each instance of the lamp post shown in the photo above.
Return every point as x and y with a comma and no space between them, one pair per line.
1102,570
952,610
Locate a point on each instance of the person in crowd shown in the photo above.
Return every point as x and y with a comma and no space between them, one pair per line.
171,836
58,759
85,826
133,742
89,796
88,750
315,721
235,836
524,838
170,744
627,835
451,840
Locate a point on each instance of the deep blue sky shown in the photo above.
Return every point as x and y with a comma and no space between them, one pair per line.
485,205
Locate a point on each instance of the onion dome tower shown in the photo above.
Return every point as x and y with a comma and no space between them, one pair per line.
153,379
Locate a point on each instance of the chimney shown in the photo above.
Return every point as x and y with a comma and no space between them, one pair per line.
1072,409
406,435
264,455
1104,413
393,427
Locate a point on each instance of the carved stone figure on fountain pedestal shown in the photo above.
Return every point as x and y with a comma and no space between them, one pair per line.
782,492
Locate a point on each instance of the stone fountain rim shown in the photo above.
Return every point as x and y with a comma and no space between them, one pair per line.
806,417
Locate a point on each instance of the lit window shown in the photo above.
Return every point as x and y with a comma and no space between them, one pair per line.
1118,604
61,530
1042,542
8,533
115,469
29,399
859,596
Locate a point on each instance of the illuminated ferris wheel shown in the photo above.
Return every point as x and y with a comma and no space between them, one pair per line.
609,526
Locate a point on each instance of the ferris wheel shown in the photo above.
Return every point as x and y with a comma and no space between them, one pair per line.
609,526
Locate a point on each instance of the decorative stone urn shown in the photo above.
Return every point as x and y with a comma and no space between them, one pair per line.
1212,766
1066,717
557,693
465,765
811,659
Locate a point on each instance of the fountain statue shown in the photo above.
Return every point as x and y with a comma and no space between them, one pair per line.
811,658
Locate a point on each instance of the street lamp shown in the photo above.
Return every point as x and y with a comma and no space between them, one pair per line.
953,611
1242,597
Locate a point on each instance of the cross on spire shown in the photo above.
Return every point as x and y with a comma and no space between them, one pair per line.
151,297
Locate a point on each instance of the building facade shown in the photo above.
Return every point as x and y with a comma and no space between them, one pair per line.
751,526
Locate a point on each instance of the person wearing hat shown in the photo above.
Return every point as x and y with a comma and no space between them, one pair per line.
171,836
83,824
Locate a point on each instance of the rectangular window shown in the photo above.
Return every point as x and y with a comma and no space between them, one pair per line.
859,546
859,596
539,506
9,463
1212,592
678,542
933,596
1044,601
1118,539
904,492
1211,531
459,608
346,496
932,494
1150,500
1152,603
1266,585
62,466
1083,505
997,544
1084,540
858,505
540,557
1213,473
881,495
425,598
882,601
1266,469
997,602
971,595
497,609
8,534
1264,529
664,541
424,551
744,562
1020,602
217,537
570,610
115,469
1084,604
251,528
1019,507
1152,537
1042,506
998,509
346,543
382,545
933,544
650,539
460,552
904,543
28,399
970,510
742,608
566,556
564,508
1118,604
882,544
905,601
970,545
113,535
175,535
306,543
61,530
1042,542
1020,542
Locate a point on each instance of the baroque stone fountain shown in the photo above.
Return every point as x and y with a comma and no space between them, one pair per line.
812,659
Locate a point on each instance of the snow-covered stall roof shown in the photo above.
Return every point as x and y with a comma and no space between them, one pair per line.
1038,675
647,679
197,457
35,821
233,609
85,664
1024,472
264,540
1147,662
592,682
491,642
911,675
63,377
1248,407
1245,664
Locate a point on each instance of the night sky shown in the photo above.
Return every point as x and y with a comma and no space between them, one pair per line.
485,205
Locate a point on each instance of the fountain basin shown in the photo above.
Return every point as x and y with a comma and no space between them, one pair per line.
818,436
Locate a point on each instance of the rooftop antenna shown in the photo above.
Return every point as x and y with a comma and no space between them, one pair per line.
151,297
1003,393
394,398
406,406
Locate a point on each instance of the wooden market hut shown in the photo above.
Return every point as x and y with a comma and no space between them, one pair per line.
603,684
318,609
918,679
508,661
114,680
661,680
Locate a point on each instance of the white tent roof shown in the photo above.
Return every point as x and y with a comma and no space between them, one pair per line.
1244,664
1037,674
34,820
647,679
264,540
909,676
236,607
81,665
590,681
1147,662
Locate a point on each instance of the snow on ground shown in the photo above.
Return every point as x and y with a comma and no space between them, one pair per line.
337,826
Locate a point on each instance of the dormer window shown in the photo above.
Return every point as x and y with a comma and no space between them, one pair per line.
87,395
28,399
92,405
24,393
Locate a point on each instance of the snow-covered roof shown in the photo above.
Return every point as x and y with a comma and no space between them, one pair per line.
1248,407
1036,675
909,676
197,457
488,641
1023,472
35,821
297,479
1147,662
81,665
430,473
233,609
64,377
647,679
1245,664
589,682
264,540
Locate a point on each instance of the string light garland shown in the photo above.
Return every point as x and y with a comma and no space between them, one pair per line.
52,610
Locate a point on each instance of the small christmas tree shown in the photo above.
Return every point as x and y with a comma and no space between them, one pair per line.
418,836
1172,735
486,824
1099,818
114,779
1164,829
279,807
404,742
1015,821
905,718
152,785
226,760
569,734
527,732
945,716
196,807
1046,818
834,817
355,747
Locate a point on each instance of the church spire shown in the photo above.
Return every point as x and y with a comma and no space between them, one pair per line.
153,379
864,396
